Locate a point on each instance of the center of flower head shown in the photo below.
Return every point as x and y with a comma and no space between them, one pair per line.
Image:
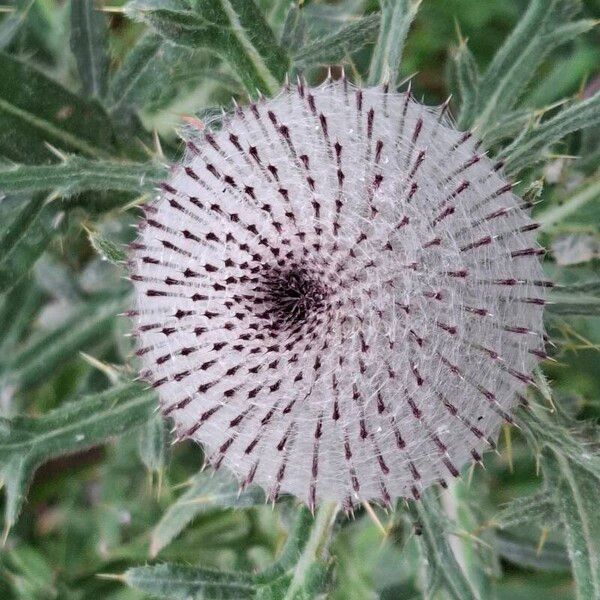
292,295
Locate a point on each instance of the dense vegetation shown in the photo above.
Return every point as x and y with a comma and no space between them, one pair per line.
96,502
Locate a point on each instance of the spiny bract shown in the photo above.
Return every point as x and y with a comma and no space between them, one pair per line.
338,295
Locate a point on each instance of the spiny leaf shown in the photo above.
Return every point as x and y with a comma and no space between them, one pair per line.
577,498
530,147
576,299
89,44
86,327
182,582
523,553
555,432
334,48
152,443
555,215
17,310
24,237
539,508
396,19
434,541
77,174
294,27
128,85
27,442
297,574
156,72
588,287
575,305
106,248
466,75
302,567
542,28
234,29
479,559
41,110
294,546
511,125
11,25
207,491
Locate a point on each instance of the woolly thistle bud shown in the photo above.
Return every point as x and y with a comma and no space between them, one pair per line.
338,295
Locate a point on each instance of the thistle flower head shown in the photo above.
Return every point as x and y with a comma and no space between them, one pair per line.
338,295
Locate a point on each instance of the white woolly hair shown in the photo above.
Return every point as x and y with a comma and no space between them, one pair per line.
338,295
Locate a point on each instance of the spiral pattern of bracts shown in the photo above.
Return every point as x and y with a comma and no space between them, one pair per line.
338,295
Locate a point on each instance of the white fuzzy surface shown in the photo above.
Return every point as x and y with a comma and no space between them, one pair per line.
384,381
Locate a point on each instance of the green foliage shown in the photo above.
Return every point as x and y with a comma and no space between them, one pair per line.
532,144
335,48
44,112
396,19
543,27
27,442
575,491
28,226
91,487
205,492
433,538
181,582
299,572
89,41
234,29
76,174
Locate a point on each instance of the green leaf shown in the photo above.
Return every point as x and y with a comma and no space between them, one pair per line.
512,125
152,443
539,508
575,305
17,310
182,582
436,546
524,553
207,491
575,299
396,19
107,249
529,149
298,574
45,353
556,432
28,442
24,237
156,73
89,44
77,174
136,73
466,75
543,27
588,287
556,215
233,29
577,498
335,48
294,28
478,557
11,25
301,571
31,573
41,110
